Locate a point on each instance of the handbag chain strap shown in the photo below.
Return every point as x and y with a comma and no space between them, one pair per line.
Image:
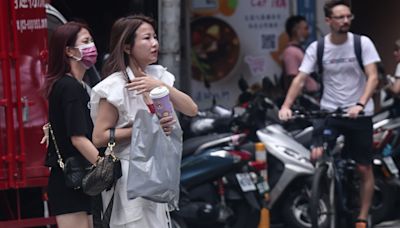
59,160
111,143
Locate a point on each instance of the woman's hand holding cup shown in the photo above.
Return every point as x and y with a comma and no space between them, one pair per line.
167,124
163,108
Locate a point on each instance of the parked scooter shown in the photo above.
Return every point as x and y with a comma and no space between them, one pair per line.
219,188
289,173
386,147
289,167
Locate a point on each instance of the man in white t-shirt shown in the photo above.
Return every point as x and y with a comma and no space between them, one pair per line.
345,85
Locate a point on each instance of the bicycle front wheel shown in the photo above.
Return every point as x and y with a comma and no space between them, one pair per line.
321,202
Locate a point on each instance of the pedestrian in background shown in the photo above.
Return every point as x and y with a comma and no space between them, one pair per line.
395,88
345,85
115,102
71,53
297,30
394,80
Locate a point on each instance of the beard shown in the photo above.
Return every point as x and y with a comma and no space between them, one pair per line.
344,29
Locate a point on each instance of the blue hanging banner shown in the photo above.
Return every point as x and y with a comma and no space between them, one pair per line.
306,8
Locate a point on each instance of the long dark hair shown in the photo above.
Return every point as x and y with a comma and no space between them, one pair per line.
123,32
64,36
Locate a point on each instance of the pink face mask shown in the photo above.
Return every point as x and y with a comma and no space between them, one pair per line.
88,54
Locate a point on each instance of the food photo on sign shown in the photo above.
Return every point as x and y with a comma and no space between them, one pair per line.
232,39
215,49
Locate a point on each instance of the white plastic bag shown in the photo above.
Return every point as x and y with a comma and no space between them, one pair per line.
155,160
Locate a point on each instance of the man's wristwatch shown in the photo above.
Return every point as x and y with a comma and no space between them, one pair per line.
360,104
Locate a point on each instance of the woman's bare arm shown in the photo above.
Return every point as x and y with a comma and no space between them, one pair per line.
182,102
107,118
86,147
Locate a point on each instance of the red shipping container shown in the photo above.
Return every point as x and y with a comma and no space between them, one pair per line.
23,112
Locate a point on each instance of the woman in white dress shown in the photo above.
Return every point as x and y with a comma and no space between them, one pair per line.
129,77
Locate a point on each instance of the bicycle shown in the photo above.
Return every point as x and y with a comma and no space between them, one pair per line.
335,179
324,179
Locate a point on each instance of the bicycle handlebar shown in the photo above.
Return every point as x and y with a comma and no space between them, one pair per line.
321,114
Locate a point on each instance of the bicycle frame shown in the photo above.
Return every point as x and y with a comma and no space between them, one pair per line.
328,172
329,160
343,190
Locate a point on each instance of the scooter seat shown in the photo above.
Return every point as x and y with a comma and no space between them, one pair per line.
190,145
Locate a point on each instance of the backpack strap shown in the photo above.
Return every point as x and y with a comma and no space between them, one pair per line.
320,54
357,50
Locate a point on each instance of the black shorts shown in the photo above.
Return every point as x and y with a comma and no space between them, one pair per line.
64,200
358,135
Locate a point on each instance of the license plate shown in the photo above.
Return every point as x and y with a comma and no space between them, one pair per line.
263,187
245,182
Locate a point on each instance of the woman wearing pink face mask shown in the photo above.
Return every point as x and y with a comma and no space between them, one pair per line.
124,91
71,52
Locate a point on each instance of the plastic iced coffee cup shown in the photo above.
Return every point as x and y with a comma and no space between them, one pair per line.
162,104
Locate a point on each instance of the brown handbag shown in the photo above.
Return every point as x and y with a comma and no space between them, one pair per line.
105,173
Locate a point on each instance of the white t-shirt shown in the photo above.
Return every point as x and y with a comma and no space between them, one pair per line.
343,79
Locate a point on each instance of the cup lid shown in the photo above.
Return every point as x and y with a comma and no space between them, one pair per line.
159,92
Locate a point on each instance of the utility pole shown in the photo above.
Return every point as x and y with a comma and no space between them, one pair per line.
169,17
